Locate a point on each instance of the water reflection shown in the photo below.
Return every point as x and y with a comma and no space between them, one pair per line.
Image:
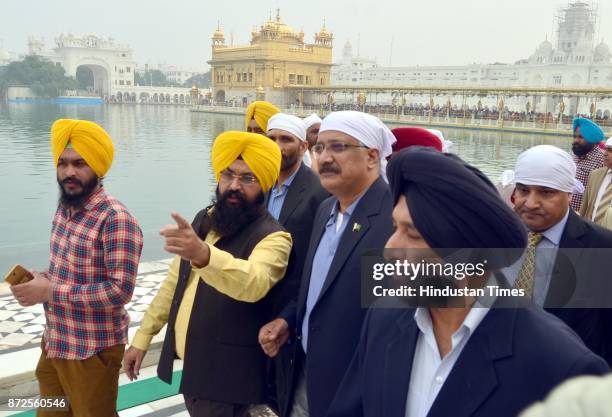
162,163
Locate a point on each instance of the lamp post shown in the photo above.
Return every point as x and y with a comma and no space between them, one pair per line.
361,100
260,93
561,110
195,93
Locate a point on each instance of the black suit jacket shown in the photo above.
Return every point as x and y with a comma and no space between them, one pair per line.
336,318
587,265
513,358
297,215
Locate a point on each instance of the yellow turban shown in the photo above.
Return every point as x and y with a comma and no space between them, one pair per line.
261,111
260,153
88,139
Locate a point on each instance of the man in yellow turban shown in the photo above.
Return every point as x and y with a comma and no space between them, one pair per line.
217,293
95,250
88,139
257,115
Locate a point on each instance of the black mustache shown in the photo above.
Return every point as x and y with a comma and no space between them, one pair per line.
233,193
72,180
538,212
329,168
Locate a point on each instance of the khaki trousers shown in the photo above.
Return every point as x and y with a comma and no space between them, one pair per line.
91,385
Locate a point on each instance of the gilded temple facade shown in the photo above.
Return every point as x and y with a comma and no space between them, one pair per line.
276,59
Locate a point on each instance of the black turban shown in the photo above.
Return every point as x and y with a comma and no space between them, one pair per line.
453,204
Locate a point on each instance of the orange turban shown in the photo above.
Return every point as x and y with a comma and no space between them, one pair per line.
261,111
260,153
88,139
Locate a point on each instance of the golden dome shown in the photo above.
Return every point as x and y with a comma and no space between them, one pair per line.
280,27
324,33
218,33
277,26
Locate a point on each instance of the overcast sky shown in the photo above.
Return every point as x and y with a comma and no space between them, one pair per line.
430,32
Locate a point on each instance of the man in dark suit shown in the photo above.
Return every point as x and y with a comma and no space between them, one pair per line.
570,273
463,361
293,200
323,324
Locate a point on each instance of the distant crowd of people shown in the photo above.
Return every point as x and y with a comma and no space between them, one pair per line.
263,299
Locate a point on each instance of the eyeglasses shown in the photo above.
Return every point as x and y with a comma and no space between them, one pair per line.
243,179
334,147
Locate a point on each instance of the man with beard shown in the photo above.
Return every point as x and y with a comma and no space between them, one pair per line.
587,155
257,115
216,295
295,197
293,201
564,262
597,202
324,321
95,250
312,124
470,361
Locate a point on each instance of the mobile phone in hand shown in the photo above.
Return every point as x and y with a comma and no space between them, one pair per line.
18,275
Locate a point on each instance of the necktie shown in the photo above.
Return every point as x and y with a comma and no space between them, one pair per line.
604,204
526,275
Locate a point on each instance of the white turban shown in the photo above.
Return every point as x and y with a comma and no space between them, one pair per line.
289,123
367,129
446,144
306,159
313,119
609,143
545,166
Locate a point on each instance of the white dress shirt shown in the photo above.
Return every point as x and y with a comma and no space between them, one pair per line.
429,370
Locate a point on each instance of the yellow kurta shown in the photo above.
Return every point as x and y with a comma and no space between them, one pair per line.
244,280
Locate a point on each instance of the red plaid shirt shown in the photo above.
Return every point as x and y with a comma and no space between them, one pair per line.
93,267
584,165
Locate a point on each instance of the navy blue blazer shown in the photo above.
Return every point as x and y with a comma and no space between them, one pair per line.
335,321
297,215
514,358
593,325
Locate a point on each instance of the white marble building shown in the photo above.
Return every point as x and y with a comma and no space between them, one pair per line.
112,65
576,60
179,74
6,56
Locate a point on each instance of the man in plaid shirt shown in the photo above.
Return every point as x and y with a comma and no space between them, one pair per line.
587,155
95,250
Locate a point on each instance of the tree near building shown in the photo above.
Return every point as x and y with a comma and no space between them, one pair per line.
44,78
154,78
199,80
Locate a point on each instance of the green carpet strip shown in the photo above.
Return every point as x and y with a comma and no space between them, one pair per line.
137,393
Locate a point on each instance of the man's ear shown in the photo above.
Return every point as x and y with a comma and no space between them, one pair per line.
303,147
373,156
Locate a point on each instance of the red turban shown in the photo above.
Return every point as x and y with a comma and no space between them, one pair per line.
415,136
